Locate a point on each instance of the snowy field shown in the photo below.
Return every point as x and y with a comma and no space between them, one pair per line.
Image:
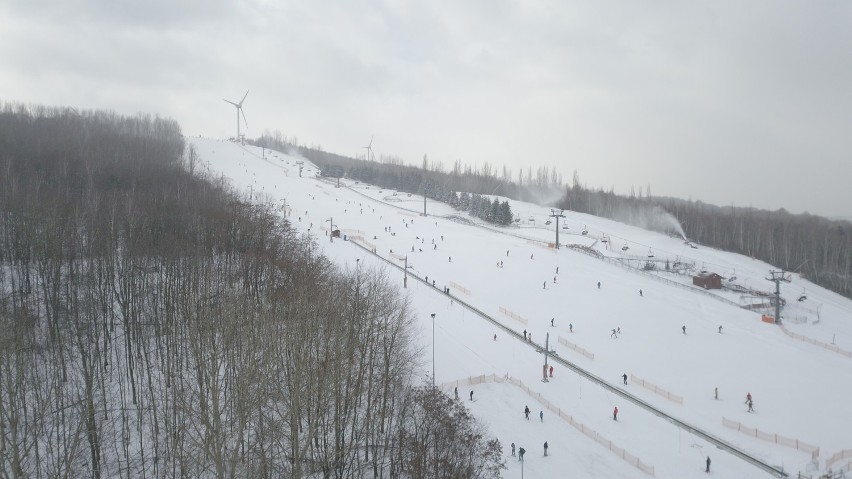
801,390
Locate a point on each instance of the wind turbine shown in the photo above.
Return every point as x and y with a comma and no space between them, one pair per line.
369,149
240,111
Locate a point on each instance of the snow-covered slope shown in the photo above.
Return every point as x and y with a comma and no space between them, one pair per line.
801,390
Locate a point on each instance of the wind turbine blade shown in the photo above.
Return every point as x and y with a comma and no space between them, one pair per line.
244,98
244,117
229,101
371,142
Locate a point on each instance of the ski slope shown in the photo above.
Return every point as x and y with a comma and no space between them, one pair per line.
800,390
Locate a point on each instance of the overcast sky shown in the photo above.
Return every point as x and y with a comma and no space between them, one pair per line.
729,102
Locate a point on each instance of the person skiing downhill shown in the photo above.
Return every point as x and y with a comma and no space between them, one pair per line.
707,469
471,395
613,335
513,449
541,415
615,414
624,376
684,329
527,412
545,448
551,371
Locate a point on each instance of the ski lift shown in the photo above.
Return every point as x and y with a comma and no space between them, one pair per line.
803,296
548,222
650,253
532,220
625,247
564,226
585,230
605,238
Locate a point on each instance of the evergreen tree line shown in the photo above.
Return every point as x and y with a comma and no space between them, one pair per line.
156,324
818,248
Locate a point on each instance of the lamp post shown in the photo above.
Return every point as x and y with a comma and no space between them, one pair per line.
433,350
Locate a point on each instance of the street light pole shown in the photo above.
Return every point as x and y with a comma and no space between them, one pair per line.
433,350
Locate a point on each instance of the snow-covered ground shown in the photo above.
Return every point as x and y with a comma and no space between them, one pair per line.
801,391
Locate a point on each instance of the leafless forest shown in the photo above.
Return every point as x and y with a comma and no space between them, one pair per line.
157,325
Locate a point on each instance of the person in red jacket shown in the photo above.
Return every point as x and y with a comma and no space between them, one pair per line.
615,414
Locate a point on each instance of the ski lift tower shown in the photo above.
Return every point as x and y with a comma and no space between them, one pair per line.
546,351
554,214
777,277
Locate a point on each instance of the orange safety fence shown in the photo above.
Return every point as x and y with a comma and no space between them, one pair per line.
459,288
656,389
516,317
574,347
838,456
587,431
821,344
772,437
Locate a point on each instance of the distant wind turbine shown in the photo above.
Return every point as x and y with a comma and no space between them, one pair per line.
369,149
240,112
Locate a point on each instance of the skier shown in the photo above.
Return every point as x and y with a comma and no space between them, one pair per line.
554,280
557,270
708,465
640,292
613,335
748,398
615,414
471,395
750,408
451,259
531,256
716,392
457,392
571,327
544,285
545,448
599,285
507,252
684,329
527,412
618,331
495,337
513,449
521,452
551,322
551,371
720,329
624,377
525,335
541,415
433,283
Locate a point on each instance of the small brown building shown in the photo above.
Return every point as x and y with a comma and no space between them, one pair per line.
707,280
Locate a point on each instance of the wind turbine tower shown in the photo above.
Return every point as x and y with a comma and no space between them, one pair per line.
369,149
240,112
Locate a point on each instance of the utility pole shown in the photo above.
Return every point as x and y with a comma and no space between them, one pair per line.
554,214
777,277
433,350
405,278
424,201
331,229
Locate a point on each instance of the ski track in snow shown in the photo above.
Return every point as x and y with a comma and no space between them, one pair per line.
800,390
